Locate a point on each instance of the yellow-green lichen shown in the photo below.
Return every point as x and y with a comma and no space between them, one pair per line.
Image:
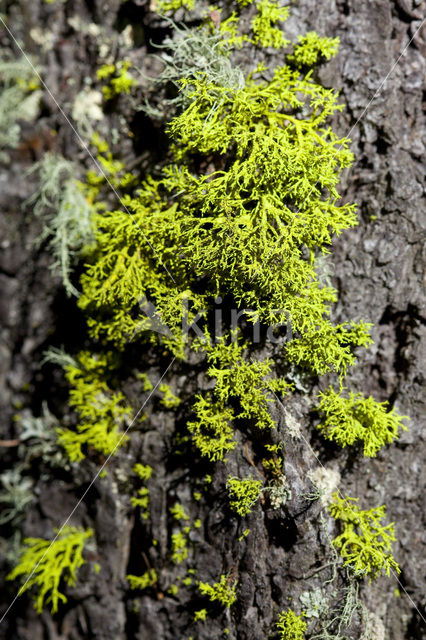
365,542
44,564
223,591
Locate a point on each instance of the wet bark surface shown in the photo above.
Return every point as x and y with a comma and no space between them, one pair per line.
378,269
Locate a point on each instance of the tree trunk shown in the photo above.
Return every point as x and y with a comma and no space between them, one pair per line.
379,274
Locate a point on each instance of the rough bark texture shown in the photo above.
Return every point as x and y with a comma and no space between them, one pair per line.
379,272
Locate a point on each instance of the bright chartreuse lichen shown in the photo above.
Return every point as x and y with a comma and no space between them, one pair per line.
251,382
236,378
329,348
265,24
163,6
201,614
265,31
146,382
144,472
180,546
45,563
147,579
274,462
312,48
243,494
365,543
187,582
120,81
221,591
112,170
231,38
173,590
212,430
142,501
356,419
101,411
169,400
244,535
178,512
243,231
291,626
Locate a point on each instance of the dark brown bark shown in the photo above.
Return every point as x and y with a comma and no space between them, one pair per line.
379,273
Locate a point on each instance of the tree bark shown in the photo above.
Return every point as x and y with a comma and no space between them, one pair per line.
378,271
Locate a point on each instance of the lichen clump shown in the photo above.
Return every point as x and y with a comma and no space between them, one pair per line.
101,410
44,564
222,591
348,420
291,626
243,208
365,543
243,494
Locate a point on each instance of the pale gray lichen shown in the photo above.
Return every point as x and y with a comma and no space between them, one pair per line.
15,495
279,492
190,52
19,100
326,480
293,427
66,212
39,438
87,108
315,603
375,629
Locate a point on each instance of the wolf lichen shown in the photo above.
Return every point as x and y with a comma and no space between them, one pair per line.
143,471
44,564
212,430
120,81
222,591
291,626
180,546
201,615
178,512
311,48
141,500
243,494
236,379
169,400
265,31
358,419
251,382
163,6
147,579
244,207
243,231
329,348
365,543
101,411
274,462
